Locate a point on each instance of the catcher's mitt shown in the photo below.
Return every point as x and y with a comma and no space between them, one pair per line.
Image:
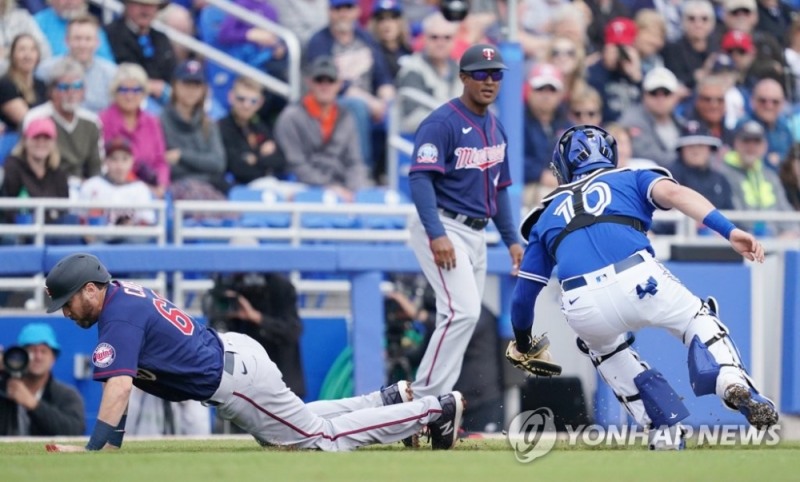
537,361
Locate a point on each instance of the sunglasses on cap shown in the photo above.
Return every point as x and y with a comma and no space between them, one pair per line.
482,75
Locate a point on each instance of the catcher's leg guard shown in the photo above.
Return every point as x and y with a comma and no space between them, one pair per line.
714,362
662,404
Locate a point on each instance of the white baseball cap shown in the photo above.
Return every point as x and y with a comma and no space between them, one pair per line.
660,78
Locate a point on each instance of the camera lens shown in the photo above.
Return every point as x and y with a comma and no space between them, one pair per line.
15,359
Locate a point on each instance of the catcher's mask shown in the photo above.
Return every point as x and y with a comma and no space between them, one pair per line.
581,149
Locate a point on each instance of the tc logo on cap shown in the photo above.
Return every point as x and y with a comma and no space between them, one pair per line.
488,54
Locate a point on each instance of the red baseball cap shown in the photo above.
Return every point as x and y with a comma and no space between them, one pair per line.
738,40
621,31
42,126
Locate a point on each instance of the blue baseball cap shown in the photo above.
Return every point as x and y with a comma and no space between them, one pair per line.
38,334
341,3
190,71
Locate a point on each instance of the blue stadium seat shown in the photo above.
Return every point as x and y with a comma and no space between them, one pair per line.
260,220
323,220
386,197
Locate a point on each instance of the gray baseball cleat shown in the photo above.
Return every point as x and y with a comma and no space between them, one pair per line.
444,431
759,410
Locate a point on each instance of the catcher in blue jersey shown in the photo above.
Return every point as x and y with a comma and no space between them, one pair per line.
146,341
593,227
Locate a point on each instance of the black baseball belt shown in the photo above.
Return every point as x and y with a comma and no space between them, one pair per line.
475,223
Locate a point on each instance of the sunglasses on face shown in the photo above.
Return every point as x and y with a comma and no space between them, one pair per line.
247,100
562,53
711,100
737,52
130,90
482,75
697,18
324,80
751,140
767,101
65,86
440,37
585,113
740,11
660,92
386,16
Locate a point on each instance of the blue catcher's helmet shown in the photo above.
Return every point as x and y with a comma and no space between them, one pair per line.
581,149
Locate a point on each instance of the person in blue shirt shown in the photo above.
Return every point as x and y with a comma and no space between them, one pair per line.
148,342
593,226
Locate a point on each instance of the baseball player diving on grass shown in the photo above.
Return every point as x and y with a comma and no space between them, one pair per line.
146,341
593,227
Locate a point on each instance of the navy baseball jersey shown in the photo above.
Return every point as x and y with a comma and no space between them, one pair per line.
147,337
471,150
608,192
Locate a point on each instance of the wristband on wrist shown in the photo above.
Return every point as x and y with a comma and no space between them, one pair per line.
116,436
717,222
102,432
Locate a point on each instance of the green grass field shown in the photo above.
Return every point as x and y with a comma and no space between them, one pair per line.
472,460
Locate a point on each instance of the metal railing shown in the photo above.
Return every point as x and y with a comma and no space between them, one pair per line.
290,90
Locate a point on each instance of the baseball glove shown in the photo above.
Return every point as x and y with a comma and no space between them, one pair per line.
537,361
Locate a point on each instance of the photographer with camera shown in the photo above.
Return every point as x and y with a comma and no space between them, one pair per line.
262,306
32,401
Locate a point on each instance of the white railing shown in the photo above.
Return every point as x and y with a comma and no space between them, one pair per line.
290,90
395,142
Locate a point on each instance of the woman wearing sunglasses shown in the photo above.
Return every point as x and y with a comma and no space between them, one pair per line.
126,119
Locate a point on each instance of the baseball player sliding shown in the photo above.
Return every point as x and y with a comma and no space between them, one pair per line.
593,227
459,179
146,341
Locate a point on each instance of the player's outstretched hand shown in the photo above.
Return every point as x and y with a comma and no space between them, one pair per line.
444,254
747,245
64,448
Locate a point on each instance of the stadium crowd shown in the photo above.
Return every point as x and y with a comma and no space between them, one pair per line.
707,89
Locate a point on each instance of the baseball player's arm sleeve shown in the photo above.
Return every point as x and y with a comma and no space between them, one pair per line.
116,394
424,197
523,302
504,219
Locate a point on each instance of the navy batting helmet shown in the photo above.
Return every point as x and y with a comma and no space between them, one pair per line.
581,149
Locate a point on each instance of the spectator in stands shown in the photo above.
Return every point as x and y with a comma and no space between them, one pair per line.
585,106
571,20
194,146
33,169
254,45
651,36
82,42
36,404
79,137
790,176
317,135
751,69
570,59
180,18
792,56
118,184
736,96
742,16
625,149
603,13
367,82
19,89
694,167
767,104
652,125
15,21
619,73
390,29
250,148
708,108
132,40
125,118
544,122
756,187
432,71
55,20
303,17
687,56
774,18
669,10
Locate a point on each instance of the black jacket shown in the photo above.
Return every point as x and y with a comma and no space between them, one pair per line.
239,142
160,64
60,412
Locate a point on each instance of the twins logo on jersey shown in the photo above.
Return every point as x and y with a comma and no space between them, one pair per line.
427,154
103,355
472,158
